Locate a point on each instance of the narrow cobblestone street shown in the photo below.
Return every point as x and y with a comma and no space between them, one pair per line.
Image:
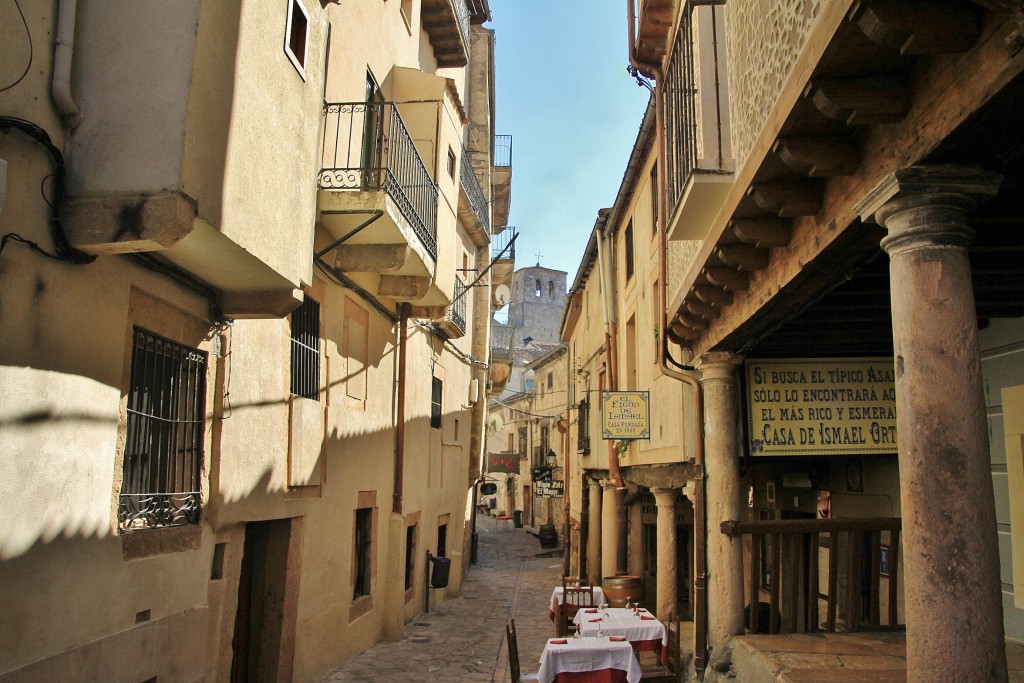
462,640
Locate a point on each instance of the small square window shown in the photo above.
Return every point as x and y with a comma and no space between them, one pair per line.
451,163
296,38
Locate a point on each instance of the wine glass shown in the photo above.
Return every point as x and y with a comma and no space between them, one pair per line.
629,599
577,634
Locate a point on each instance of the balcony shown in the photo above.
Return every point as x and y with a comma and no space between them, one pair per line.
503,255
377,199
453,324
501,179
473,207
698,168
653,29
500,358
447,24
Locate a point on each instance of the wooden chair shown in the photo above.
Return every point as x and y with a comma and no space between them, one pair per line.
513,655
670,672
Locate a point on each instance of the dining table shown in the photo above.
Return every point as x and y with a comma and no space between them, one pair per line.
588,660
642,629
558,597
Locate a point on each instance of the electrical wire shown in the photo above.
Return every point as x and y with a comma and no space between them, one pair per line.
28,66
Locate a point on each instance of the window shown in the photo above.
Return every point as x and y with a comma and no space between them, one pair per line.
436,389
629,250
537,290
551,289
305,372
654,199
410,555
583,428
442,540
296,37
363,541
163,452
551,380
451,163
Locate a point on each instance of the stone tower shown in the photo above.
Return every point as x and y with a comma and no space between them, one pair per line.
538,296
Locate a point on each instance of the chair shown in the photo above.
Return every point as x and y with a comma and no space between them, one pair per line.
570,581
561,621
513,655
670,672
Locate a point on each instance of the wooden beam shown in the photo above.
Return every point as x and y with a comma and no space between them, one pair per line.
705,311
691,321
916,27
743,256
762,232
861,101
710,294
818,157
727,278
788,200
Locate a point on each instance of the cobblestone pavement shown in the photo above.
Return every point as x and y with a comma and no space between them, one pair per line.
462,640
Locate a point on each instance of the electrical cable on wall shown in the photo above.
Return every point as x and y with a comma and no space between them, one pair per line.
28,64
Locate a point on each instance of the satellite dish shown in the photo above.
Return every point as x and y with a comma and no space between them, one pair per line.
495,423
502,295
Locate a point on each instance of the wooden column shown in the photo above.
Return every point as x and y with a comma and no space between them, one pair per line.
665,607
724,501
950,551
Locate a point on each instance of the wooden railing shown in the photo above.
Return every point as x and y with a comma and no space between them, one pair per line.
784,564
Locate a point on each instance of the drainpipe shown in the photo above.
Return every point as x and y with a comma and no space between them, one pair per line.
403,323
62,54
570,386
700,617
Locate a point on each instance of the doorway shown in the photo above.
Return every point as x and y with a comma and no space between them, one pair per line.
264,637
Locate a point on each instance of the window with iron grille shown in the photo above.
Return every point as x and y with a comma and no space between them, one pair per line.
583,428
654,199
163,451
306,350
442,540
629,250
436,389
363,539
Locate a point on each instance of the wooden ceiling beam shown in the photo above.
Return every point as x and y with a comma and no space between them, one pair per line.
818,157
743,256
861,101
727,278
917,27
699,308
762,232
710,294
787,200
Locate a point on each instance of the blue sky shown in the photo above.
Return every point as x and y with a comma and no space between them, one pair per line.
563,93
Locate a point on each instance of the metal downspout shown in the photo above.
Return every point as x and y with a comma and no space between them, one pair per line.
403,324
699,502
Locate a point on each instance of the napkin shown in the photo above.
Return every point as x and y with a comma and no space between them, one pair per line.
559,641
593,620
617,639
590,611
646,618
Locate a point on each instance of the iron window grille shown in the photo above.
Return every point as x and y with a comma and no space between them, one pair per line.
629,250
583,428
654,199
163,453
363,538
436,388
680,115
305,372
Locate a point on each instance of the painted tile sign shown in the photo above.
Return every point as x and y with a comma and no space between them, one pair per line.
821,406
625,415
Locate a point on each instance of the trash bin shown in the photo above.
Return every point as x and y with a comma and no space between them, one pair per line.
517,519
439,568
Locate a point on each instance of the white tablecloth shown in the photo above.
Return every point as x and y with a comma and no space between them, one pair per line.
558,597
588,654
622,622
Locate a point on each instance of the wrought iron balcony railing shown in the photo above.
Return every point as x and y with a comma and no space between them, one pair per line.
501,342
681,115
456,313
504,239
502,150
462,16
367,147
473,190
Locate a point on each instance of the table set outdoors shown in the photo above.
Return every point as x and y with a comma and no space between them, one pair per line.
604,647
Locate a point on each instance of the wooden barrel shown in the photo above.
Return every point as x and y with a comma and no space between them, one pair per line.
618,588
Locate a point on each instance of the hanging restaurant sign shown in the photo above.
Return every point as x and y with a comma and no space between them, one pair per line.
625,415
503,462
549,489
821,406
